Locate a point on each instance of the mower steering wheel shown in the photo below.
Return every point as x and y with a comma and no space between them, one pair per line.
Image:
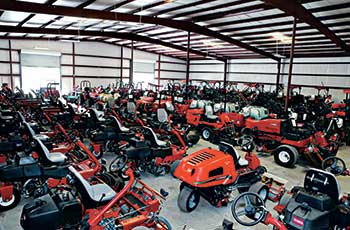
334,165
250,205
245,140
118,164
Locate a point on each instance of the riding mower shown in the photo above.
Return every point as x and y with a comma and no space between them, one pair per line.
214,174
93,204
213,128
146,151
109,136
164,125
315,206
33,175
287,141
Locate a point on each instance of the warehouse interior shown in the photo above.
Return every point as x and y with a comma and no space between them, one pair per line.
174,114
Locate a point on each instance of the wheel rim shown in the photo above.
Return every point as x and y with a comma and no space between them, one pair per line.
7,203
96,154
284,157
192,201
263,194
206,134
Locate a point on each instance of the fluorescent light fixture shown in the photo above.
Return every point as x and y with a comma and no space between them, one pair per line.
281,37
40,48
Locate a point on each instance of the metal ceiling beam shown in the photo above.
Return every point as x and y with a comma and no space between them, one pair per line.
222,14
268,17
203,10
181,7
283,23
87,13
292,7
128,36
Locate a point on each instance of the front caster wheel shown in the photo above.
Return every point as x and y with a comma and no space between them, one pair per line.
188,199
11,203
207,134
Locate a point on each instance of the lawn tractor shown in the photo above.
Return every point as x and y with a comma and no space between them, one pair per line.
95,205
33,175
214,174
287,141
315,206
213,128
148,152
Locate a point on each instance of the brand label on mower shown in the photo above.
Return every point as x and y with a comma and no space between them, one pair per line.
298,221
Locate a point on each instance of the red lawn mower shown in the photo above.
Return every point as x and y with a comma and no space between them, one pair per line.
148,152
214,174
315,206
213,128
35,174
288,141
93,204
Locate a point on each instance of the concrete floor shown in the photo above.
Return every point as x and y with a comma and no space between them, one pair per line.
205,216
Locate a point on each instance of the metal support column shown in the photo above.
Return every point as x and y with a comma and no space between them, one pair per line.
225,83
11,67
158,73
188,59
73,63
121,66
291,58
131,75
278,75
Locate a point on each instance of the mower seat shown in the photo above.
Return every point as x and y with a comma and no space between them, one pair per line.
154,139
169,107
120,127
201,104
162,116
319,181
131,107
98,117
209,113
218,107
29,130
51,158
228,148
194,104
97,192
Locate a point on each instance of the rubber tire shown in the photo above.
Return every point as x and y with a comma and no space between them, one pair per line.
17,196
98,156
210,134
247,132
193,139
257,188
183,198
165,222
285,199
293,153
173,167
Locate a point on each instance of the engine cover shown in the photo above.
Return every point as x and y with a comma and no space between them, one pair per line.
315,216
52,212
